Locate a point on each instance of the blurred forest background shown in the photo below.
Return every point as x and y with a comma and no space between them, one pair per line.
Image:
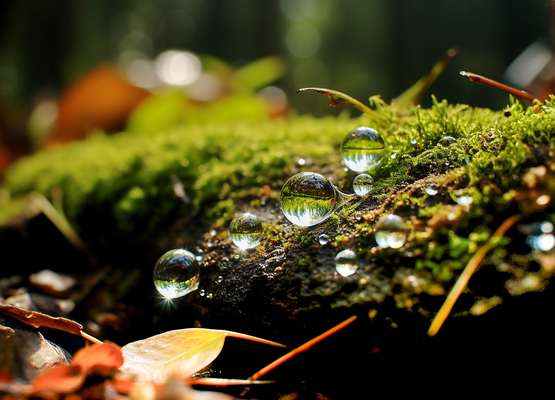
359,47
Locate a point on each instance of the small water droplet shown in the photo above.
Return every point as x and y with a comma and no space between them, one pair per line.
236,256
210,295
393,155
413,141
202,292
362,184
346,262
220,279
176,273
390,232
447,141
213,233
323,239
464,200
431,189
362,149
246,231
301,161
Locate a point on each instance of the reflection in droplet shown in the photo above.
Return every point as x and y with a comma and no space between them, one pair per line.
362,149
246,231
431,189
447,141
390,232
346,262
308,198
176,273
323,239
362,184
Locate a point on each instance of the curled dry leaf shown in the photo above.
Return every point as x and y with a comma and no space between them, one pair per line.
103,359
40,320
180,352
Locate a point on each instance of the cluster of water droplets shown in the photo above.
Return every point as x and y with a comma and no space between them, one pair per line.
541,236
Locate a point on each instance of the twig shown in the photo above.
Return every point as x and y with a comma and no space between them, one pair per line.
490,82
91,338
301,348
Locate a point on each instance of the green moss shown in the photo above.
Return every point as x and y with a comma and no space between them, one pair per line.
132,175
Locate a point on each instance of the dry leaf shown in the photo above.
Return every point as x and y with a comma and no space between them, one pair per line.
182,352
103,359
40,320
60,379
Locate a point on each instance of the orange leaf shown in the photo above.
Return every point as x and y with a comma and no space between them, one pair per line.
39,320
105,357
60,379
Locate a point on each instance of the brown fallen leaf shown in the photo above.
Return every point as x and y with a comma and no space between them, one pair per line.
180,352
40,320
60,379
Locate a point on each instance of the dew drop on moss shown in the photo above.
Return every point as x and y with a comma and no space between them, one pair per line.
308,198
346,262
176,273
431,189
362,184
323,239
362,149
391,232
447,141
246,231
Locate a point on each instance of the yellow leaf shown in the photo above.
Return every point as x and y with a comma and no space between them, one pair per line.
181,352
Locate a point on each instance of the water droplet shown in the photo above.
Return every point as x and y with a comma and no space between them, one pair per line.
431,189
210,295
393,155
362,149
464,200
246,231
390,232
301,161
213,233
323,239
447,141
220,279
308,198
362,184
413,141
202,292
346,262
176,273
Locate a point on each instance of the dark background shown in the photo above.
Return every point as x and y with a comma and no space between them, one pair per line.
359,47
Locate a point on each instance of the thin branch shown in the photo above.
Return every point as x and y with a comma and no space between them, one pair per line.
490,82
301,348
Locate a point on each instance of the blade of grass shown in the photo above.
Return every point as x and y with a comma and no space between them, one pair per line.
301,348
412,95
462,282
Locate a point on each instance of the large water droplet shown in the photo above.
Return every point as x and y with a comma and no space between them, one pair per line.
362,149
362,184
323,239
346,262
308,198
391,232
246,231
176,273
